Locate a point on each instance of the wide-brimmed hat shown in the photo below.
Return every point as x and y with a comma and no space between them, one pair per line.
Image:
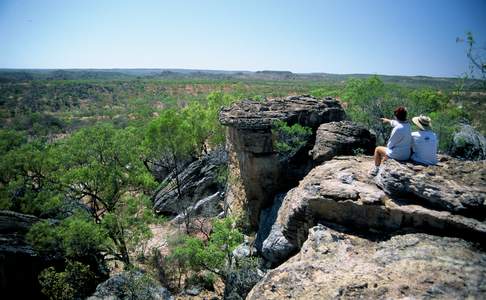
422,122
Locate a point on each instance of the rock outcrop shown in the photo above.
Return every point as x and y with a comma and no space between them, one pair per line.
130,285
455,186
199,186
342,138
20,265
469,144
341,191
336,265
254,169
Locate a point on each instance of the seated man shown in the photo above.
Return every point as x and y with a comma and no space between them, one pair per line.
399,143
424,142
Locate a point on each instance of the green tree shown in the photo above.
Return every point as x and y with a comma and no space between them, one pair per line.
215,101
26,184
214,255
367,101
99,173
100,165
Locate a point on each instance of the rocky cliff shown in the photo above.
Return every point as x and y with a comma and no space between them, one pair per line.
255,172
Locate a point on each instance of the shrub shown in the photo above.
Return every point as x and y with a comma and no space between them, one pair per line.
75,282
288,140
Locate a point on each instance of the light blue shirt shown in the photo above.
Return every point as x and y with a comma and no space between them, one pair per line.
400,143
424,146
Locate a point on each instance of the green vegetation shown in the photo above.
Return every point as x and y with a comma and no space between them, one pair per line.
76,282
191,254
78,151
289,139
370,99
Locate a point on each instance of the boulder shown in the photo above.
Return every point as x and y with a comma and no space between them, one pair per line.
255,171
130,285
341,191
198,181
270,241
336,265
239,282
342,138
468,144
453,185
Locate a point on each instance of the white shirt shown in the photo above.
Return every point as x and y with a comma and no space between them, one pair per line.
400,143
424,146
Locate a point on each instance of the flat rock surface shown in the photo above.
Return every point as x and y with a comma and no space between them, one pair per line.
341,191
453,185
305,110
336,265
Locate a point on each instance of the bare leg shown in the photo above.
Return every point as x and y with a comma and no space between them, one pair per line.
380,155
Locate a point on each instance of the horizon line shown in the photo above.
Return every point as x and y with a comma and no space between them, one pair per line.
223,70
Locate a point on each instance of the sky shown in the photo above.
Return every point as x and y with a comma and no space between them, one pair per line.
335,36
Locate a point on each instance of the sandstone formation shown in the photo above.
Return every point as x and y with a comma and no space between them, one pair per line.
336,265
199,186
255,173
455,186
341,138
341,191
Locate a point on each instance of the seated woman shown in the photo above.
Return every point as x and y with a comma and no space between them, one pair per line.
424,142
399,143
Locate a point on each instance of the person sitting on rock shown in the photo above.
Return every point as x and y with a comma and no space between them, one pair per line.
424,142
400,141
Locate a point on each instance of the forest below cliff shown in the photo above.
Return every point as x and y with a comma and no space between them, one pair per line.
87,153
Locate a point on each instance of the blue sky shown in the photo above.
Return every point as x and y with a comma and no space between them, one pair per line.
379,37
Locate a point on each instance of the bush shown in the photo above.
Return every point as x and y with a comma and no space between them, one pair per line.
191,254
288,140
75,282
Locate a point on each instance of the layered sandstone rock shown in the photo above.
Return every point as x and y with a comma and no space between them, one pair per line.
255,172
201,191
336,265
455,186
341,191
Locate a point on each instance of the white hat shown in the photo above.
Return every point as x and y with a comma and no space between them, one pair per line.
422,122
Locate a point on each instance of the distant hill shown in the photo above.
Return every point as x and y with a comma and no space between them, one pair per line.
8,75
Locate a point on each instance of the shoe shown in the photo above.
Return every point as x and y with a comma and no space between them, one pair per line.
374,171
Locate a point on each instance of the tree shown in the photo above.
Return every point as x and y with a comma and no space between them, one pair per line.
170,140
477,59
99,174
26,184
214,255
101,167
